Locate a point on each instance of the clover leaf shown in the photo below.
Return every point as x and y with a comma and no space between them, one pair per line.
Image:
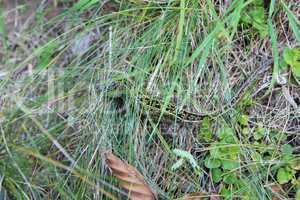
256,17
205,131
216,174
243,120
230,178
287,152
285,174
226,193
212,163
292,57
230,164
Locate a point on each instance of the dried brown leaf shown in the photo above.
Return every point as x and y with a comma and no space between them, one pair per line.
276,188
129,178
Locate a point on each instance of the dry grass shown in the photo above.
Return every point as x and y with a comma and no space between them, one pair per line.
70,80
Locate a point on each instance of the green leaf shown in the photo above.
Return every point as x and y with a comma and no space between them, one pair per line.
258,2
282,64
276,136
224,133
284,175
215,151
259,21
255,16
230,178
212,163
205,131
259,133
234,150
230,164
231,139
287,149
297,197
292,58
256,156
245,131
226,193
243,120
216,175
246,19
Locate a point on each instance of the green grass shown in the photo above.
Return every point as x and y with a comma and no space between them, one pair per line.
70,86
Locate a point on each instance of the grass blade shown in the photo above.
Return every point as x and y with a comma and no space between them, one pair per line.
293,21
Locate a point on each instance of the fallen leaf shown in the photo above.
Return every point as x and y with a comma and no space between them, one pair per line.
130,178
275,198
276,188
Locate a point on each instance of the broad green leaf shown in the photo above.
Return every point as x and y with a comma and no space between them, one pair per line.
255,16
226,193
247,99
228,148
292,58
230,178
259,21
230,139
243,119
276,136
284,175
212,163
216,174
245,131
287,149
258,2
282,64
230,164
259,133
234,150
215,151
256,156
246,19
205,131
224,133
